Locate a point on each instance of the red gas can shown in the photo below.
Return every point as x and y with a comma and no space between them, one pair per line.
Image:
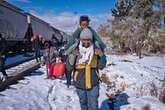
58,69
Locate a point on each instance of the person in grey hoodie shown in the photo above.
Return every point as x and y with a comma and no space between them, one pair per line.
84,61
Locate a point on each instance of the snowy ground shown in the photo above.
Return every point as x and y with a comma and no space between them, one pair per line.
141,80
137,78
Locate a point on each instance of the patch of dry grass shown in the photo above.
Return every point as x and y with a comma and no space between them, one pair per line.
153,90
162,93
147,107
105,79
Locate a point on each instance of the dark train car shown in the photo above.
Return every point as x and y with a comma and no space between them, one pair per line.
61,36
17,27
57,34
13,25
48,32
66,37
40,27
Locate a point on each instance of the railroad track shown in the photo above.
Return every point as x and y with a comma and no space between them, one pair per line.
19,62
18,72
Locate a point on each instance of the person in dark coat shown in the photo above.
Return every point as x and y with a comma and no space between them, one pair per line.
37,43
85,61
3,47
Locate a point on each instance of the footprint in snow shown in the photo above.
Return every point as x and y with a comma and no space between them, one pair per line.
68,107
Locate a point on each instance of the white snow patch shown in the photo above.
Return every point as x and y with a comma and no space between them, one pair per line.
134,78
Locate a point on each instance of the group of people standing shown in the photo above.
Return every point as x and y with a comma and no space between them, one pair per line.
84,56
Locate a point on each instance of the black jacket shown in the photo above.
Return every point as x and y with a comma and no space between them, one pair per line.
37,44
3,46
80,82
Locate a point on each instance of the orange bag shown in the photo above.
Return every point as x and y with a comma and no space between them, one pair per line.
58,69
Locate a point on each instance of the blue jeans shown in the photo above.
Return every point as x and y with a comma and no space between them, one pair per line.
105,105
88,98
111,105
37,54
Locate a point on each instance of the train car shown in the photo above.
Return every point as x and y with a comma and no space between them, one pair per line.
57,34
40,27
48,32
62,37
66,37
13,24
17,27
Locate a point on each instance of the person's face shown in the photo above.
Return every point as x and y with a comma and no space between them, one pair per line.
46,46
86,42
84,24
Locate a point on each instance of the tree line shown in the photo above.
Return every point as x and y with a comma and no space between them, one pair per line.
137,26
